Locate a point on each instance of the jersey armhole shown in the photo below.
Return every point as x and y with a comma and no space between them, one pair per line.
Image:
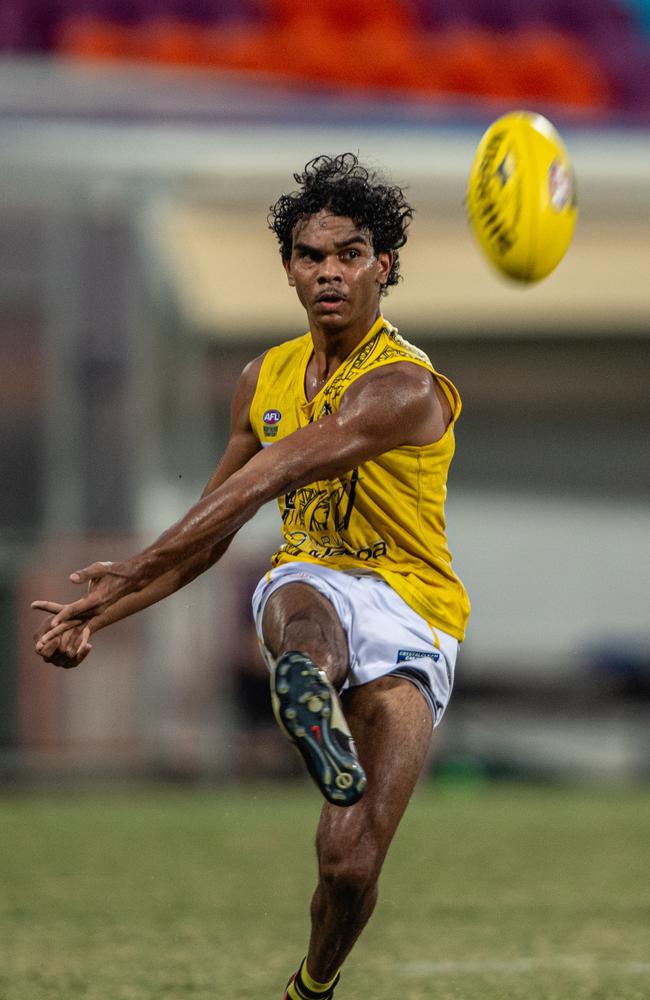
451,394
253,408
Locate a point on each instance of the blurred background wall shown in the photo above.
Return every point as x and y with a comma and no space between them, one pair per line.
141,145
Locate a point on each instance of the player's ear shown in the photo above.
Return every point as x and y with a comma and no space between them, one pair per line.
290,277
385,261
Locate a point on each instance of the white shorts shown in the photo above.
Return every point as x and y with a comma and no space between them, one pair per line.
385,635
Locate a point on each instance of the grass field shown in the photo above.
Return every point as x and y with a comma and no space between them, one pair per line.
492,893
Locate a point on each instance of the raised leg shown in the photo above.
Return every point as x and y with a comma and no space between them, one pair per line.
391,725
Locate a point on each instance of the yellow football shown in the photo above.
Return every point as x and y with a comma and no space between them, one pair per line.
521,196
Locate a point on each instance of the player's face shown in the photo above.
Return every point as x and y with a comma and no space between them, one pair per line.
336,272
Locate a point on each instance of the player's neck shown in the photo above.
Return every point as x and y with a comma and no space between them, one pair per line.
332,344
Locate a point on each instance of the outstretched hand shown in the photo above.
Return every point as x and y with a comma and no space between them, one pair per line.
107,583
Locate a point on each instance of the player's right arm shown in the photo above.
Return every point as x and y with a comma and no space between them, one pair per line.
71,647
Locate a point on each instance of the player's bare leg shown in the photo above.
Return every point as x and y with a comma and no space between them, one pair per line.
305,637
391,724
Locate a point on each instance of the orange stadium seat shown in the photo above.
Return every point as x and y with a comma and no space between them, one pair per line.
559,67
173,42
95,38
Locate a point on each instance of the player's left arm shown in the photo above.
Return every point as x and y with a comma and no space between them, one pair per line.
389,407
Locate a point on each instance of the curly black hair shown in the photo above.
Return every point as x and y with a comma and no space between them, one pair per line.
345,187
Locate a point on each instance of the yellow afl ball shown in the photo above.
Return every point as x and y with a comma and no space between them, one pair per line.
521,196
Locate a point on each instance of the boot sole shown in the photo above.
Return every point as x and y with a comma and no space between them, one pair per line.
305,706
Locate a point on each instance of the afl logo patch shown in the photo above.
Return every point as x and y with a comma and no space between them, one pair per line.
271,420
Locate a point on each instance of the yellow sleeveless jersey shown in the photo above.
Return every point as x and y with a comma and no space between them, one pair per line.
387,515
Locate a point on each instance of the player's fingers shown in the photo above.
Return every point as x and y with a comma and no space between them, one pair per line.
46,649
91,572
55,631
49,650
69,643
75,640
51,606
70,656
79,651
54,654
77,612
82,653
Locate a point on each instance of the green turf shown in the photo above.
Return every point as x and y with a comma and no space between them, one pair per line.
498,893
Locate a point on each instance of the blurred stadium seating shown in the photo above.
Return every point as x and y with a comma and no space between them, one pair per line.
589,57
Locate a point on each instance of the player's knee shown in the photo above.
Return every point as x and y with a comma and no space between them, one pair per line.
351,875
306,634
